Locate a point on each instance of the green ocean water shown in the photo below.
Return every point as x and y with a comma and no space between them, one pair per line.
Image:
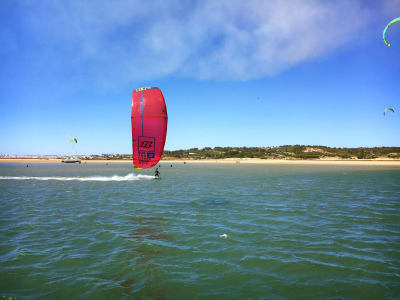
204,231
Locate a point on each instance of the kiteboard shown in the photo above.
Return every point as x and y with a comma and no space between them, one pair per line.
149,120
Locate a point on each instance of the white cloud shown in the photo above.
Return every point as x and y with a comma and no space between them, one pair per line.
208,39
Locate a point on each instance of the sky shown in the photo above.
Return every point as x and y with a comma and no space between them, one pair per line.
252,73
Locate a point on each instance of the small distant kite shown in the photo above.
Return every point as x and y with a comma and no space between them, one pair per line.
386,28
387,109
74,140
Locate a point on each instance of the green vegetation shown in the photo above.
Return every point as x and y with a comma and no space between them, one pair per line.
280,152
284,152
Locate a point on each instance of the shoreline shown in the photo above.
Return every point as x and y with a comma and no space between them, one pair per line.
359,162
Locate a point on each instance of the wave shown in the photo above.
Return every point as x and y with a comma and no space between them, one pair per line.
129,177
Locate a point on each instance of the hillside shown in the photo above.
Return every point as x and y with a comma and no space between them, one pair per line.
285,152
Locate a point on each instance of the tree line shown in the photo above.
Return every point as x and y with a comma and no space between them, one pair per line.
284,152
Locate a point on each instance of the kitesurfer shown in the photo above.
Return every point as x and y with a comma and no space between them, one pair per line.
157,173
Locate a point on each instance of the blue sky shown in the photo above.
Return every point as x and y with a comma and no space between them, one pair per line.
233,73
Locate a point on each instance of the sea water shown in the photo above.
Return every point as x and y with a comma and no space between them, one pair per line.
204,231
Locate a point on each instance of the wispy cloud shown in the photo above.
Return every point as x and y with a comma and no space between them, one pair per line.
225,39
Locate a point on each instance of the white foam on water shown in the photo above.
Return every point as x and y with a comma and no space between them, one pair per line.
129,177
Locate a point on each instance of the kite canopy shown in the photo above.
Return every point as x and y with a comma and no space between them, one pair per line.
149,126
386,28
74,140
388,109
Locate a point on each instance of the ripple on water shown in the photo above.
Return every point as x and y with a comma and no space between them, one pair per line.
290,232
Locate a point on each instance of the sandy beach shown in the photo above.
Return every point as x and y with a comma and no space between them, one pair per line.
358,162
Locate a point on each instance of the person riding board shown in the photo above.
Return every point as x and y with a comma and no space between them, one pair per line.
156,173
